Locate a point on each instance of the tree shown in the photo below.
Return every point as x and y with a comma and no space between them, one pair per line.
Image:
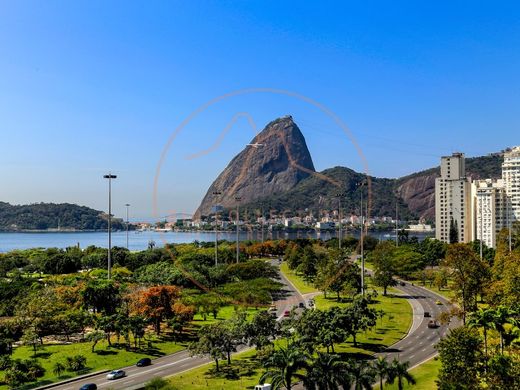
261,330
468,273
384,265
76,363
58,369
30,337
95,337
212,339
327,372
381,367
363,375
283,366
400,372
485,319
155,303
460,356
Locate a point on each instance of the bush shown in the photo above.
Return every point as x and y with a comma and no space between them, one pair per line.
14,378
76,363
5,362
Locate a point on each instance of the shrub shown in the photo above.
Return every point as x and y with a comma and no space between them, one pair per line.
76,363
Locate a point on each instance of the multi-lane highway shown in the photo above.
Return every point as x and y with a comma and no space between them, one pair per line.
416,347
419,343
179,362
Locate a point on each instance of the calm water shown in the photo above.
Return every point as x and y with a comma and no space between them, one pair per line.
140,240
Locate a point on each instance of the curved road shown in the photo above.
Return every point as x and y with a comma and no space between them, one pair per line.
179,362
416,347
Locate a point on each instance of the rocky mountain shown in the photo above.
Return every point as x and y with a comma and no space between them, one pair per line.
43,216
276,160
281,178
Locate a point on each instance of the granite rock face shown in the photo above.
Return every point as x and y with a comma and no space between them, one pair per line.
276,162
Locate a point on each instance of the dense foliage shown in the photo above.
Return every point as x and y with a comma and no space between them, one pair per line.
43,216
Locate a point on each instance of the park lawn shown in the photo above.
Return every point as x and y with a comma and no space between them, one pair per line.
245,364
389,330
224,313
104,358
425,376
301,285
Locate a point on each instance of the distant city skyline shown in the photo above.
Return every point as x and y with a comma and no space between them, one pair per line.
91,88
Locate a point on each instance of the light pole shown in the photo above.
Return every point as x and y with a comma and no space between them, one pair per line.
361,184
339,218
127,221
216,194
396,218
238,199
109,177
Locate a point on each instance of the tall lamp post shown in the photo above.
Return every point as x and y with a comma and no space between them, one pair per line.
238,199
127,205
109,177
361,184
216,195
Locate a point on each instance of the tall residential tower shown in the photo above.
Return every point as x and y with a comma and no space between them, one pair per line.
452,201
511,177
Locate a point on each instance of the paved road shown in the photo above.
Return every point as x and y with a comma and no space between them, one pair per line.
181,361
418,345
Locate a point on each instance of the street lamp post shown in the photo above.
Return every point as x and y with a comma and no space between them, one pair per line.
396,221
127,222
109,177
361,184
238,199
216,194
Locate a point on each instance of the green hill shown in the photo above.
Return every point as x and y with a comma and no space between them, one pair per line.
43,216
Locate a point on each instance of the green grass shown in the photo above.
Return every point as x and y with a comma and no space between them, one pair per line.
302,286
103,358
224,313
425,376
392,328
243,364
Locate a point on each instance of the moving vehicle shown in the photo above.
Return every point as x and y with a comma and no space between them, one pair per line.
286,313
265,386
301,305
427,314
433,324
116,374
144,362
88,386
438,302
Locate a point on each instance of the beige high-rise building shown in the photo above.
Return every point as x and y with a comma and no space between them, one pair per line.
488,210
511,177
453,200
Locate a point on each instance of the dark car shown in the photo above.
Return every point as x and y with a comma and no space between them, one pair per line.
301,305
433,324
144,362
427,314
88,386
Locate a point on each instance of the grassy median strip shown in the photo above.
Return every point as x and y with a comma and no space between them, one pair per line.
425,375
298,282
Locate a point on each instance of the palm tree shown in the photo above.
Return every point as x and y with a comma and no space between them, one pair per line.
503,315
381,368
485,319
58,369
362,374
283,365
400,372
327,372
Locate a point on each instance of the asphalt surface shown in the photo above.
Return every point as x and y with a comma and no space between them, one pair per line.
419,344
180,361
416,347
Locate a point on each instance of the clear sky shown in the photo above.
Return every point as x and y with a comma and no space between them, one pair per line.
92,86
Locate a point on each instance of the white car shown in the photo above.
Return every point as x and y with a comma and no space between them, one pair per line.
116,374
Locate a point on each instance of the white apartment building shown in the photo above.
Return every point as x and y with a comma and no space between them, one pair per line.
511,177
452,199
488,210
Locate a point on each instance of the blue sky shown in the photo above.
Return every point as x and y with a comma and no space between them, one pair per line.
92,86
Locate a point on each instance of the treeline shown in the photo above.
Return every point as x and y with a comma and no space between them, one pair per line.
43,216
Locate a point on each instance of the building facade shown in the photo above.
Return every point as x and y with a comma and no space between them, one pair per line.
511,178
453,200
489,207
